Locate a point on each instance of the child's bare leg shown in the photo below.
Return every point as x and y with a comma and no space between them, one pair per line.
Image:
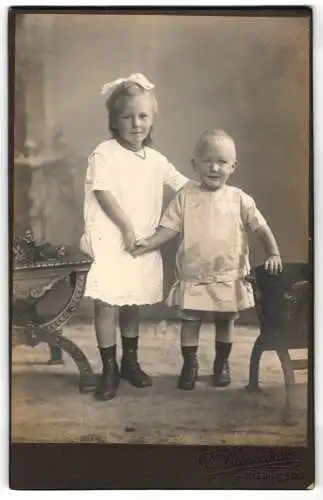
129,321
106,317
130,369
224,324
190,330
190,333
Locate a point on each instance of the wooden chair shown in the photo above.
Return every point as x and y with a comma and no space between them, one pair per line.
284,308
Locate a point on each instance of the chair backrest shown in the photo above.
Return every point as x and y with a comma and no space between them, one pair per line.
283,300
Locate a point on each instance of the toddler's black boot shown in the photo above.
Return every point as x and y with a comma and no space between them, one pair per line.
221,368
188,376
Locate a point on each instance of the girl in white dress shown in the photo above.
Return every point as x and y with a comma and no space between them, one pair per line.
212,261
123,203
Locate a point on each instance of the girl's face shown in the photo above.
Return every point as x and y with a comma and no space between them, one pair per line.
215,162
135,119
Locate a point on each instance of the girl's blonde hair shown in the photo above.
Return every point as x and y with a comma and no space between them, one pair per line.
115,102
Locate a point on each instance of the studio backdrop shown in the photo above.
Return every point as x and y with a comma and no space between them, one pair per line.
248,77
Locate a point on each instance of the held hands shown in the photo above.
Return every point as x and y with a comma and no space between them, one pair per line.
141,247
129,240
274,264
133,246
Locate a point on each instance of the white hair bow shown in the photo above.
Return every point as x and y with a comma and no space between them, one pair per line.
137,78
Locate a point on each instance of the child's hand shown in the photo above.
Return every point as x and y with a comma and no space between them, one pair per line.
274,264
141,247
129,240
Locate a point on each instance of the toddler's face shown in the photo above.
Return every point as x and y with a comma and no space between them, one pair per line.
215,161
135,119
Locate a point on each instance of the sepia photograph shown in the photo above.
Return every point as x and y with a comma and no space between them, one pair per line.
162,229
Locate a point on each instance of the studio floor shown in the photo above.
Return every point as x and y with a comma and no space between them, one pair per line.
47,406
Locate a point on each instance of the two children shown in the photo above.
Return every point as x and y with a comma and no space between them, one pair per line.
122,211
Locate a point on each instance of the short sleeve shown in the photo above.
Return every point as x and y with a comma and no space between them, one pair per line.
173,215
102,178
251,216
173,177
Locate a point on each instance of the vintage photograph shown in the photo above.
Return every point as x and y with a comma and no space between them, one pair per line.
162,274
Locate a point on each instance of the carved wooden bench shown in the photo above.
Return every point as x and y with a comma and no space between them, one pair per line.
37,269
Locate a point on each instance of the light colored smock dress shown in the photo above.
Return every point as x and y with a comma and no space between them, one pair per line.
213,257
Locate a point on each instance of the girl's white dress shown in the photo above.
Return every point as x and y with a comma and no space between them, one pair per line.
115,276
